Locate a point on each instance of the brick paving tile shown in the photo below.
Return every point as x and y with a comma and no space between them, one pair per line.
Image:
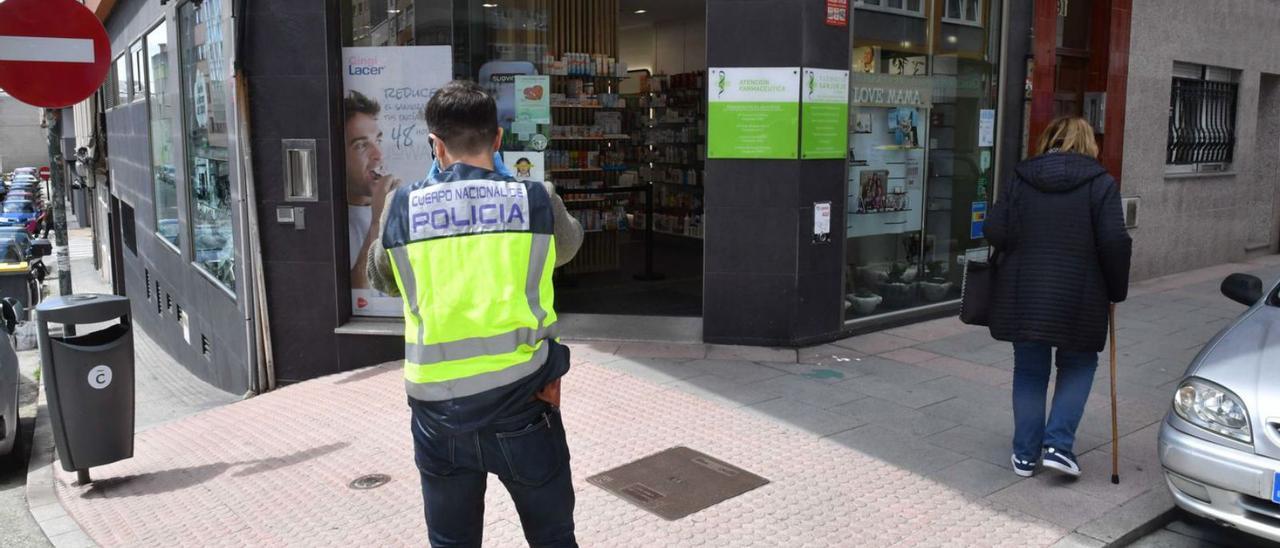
984,374
751,353
911,356
272,470
875,343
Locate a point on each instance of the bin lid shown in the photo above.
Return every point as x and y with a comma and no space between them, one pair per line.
82,308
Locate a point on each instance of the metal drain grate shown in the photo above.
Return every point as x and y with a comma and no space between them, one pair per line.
369,481
677,482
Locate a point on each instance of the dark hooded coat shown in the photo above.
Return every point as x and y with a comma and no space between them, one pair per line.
1063,253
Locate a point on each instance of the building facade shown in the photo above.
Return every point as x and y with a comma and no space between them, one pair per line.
249,142
23,142
1217,202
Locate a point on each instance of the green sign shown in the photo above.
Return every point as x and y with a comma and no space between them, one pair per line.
824,114
533,99
753,113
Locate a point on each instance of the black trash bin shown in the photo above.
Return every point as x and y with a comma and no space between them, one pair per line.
88,379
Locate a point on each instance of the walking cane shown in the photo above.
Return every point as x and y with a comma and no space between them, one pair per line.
1115,436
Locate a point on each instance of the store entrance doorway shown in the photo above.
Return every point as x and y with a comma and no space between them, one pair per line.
627,153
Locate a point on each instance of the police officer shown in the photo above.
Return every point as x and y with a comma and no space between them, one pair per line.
472,251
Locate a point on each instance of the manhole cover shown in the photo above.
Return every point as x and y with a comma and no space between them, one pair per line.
677,482
370,481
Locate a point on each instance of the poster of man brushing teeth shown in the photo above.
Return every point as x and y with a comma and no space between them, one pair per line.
385,144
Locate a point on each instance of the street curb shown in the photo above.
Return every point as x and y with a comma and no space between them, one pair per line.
42,496
1129,522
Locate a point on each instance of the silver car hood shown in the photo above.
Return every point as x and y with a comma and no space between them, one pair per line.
1245,359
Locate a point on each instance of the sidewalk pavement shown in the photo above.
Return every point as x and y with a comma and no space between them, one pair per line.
164,391
897,437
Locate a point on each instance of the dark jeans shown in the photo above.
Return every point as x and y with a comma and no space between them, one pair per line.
526,450
1031,365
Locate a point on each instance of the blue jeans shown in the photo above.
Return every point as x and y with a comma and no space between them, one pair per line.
525,449
1031,364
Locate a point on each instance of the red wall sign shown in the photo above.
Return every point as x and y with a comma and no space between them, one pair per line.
53,53
838,13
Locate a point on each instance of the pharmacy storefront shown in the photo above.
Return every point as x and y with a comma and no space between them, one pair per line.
661,124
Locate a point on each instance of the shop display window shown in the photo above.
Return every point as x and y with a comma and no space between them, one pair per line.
623,147
204,100
921,147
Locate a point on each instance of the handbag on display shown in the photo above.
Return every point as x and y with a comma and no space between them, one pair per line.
977,289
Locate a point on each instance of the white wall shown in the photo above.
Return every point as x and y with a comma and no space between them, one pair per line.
1193,222
670,47
635,47
22,140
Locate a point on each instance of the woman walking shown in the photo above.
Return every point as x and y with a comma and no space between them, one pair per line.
1062,258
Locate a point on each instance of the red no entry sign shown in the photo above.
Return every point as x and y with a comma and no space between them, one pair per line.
53,53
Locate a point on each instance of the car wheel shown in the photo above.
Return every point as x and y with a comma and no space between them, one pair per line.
10,446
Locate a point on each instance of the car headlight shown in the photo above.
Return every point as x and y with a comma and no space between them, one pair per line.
1213,408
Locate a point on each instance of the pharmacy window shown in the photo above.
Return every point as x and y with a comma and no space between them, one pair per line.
905,7
1202,119
965,12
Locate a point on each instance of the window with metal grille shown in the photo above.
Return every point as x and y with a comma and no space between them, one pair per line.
1202,119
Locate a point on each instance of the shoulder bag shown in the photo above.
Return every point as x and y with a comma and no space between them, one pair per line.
977,290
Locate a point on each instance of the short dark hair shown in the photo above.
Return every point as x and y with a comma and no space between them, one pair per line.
357,103
464,116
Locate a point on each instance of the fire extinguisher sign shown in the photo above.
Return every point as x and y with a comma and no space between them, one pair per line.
838,13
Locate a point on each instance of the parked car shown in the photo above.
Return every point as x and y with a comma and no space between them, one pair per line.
1220,442
21,254
10,379
17,212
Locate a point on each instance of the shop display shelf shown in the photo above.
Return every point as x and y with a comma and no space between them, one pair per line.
591,107
880,212
670,233
596,76
601,138
679,185
574,169
667,163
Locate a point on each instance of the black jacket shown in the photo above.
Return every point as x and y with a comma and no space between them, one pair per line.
1063,253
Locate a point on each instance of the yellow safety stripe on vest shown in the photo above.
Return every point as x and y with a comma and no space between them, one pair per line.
480,346
475,383
533,281
403,270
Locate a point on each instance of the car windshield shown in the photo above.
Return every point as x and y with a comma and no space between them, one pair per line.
18,207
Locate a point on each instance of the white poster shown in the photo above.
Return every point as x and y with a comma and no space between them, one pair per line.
386,145
986,127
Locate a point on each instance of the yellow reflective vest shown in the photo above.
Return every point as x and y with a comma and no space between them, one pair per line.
472,254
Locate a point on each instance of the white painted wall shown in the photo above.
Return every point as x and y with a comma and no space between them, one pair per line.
22,140
669,47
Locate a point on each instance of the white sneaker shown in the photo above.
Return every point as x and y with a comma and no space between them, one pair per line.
1024,468
1062,461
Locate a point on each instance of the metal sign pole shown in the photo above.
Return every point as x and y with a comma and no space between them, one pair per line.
53,125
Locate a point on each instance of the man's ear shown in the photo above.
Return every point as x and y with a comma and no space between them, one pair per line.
497,140
438,148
